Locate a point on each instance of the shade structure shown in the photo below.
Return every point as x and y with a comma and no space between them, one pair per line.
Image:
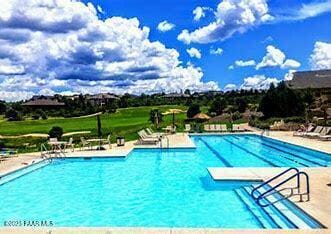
173,112
201,116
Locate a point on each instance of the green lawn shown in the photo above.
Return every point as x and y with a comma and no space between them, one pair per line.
125,122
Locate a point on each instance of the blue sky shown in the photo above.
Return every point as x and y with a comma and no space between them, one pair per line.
118,45
295,38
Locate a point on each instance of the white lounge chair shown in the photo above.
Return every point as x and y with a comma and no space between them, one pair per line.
151,133
302,132
212,128
224,128
324,133
237,128
145,139
327,136
206,127
107,141
317,131
218,128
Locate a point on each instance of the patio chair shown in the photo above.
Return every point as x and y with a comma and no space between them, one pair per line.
85,143
107,141
206,127
52,139
317,131
212,128
218,128
70,144
187,128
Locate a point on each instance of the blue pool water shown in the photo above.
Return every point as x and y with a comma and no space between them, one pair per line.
153,188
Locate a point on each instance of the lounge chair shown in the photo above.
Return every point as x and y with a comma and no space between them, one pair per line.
218,128
212,128
187,128
224,128
301,132
145,139
70,144
324,133
317,131
206,127
7,153
151,133
237,128
85,143
327,136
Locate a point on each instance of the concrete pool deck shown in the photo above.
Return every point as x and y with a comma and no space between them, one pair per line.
319,206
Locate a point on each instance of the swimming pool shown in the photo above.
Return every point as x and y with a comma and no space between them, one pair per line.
149,188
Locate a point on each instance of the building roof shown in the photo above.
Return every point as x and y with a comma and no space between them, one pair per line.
102,96
43,102
310,79
176,95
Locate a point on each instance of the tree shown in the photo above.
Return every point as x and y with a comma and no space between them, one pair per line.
193,110
218,106
3,107
282,102
241,104
56,132
187,92
13,115
155,116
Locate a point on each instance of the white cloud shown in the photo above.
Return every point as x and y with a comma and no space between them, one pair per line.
15,96
232,16
290,63
275,57
194,53
216,51
100,10
289,75
63,46
230,87
200,12
306,11
321,56
231,67
248,63
165,26
258,82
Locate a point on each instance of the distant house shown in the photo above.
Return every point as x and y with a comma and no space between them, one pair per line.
319,82
176,95
101,99
315,80
43,103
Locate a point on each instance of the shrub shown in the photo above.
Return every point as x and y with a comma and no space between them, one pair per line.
56,132
13,115
236,115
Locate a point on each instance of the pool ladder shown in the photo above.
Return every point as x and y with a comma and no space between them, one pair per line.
161,142
47,154
268,189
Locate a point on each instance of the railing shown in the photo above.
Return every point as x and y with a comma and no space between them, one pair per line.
273,189
167,138
45,153
265,132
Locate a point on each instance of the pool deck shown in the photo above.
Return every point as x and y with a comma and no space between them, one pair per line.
319,206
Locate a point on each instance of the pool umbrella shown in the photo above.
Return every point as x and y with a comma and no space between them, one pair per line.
201,116
173,112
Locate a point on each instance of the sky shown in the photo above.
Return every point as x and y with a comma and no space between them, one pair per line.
136,46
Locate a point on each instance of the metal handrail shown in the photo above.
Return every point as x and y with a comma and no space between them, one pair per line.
273,178
296,175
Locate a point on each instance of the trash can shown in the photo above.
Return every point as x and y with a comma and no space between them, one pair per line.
120,141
